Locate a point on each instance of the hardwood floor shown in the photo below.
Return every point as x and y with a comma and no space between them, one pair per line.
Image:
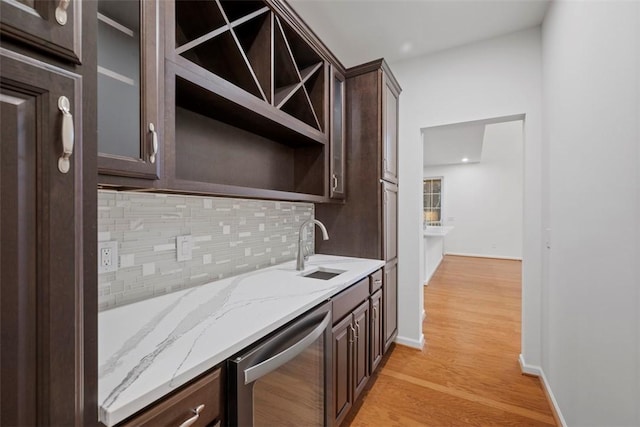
468,372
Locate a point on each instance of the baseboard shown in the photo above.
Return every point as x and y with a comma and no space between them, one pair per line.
408,342
537,371
511,258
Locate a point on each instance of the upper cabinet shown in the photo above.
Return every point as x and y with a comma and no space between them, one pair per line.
129,114
390,93
51,26
246,98
338,135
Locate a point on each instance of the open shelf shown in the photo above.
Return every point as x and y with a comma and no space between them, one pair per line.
247,96
237,9
221,56
299,106
195,19
216,147
254,37
314,86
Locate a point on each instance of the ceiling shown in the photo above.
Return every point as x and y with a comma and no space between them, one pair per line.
358,31
449,144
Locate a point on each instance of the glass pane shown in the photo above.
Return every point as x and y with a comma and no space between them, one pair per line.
427,186
292,395
437,183
336,141
119,77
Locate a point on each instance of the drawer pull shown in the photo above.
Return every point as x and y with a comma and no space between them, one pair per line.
154,143
61,12
193,419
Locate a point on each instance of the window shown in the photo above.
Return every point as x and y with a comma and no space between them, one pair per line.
432,191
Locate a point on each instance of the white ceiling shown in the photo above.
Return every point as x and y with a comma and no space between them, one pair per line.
358,31
449,144
446,145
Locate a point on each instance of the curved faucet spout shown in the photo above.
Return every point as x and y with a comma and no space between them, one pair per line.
301,238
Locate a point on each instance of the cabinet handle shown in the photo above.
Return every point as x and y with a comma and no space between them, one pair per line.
193,419
154,143
357,331
375,312
67,134
334,182
377,282
353,334
61,11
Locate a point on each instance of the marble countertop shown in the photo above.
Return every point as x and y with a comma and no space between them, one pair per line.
434,231
149,348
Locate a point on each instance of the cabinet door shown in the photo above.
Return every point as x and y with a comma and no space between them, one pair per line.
390,302
41,244
52,26
377,341
389,133
390,221
338,135
361,349
129,125
342,368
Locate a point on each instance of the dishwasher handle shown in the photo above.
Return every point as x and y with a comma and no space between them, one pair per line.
263,368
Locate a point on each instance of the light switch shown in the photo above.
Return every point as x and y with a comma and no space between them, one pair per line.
184,246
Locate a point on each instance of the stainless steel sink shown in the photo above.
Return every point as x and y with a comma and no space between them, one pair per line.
322,273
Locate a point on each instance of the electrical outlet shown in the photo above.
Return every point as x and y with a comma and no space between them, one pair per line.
184,246
107,257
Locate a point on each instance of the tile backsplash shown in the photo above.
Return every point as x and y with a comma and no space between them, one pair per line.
230,237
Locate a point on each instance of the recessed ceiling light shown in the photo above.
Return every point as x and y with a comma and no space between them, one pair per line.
465,160
406,47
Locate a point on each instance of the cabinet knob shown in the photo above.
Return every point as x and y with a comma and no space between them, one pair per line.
67,135
193,419
154,143
334,182
61,11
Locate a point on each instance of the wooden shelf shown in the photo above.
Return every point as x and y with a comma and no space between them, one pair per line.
221,56
196,18
254,37
246,97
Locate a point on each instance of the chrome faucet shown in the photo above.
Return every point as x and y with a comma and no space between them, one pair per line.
302,257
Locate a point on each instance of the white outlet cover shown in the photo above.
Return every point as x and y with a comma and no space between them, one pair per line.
184,246
112,248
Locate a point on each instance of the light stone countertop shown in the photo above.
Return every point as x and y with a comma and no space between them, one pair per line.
437,231
149,348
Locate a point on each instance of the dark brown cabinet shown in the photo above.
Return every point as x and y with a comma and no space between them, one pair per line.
350,359
337,137
51,26
390,220
45,269
376,335
390,93
130,115
366,225
204,397
342,368
390,303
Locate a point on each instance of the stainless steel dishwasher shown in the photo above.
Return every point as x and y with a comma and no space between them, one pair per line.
286,379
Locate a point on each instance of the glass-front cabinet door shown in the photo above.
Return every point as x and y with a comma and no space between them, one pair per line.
337,135
128,89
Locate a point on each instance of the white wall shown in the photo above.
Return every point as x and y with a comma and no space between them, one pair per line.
591,301
483,201
493,78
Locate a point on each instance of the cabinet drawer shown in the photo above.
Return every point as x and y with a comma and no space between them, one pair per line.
375,281
346,301
179,407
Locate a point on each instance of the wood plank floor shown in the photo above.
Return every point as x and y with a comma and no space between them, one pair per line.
468,373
